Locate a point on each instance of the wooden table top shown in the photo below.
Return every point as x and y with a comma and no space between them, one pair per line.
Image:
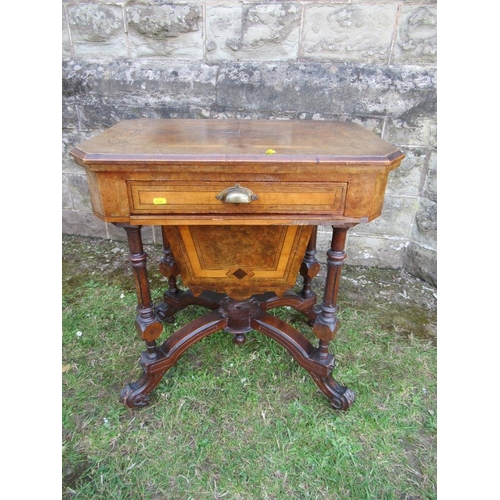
209,141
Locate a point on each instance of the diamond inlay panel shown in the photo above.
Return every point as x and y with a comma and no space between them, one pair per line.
240,274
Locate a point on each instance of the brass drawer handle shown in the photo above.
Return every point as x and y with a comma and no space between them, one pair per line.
237,194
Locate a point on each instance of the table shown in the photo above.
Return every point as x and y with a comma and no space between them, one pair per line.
239,203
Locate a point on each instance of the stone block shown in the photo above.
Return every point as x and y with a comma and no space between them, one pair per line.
275,87
408,178
105,116
425,228
83,223
139,83
116,233
418,131
148,236
421,262
106,93
75,79
79,192
388,90
416,41
253,32
323,242
69,116
348,33
97,30
67,203
430,186
173,31
352,90
364,250
397,216
156,235
65,38
373,124
375,251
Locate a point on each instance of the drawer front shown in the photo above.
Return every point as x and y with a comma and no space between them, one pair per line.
271,197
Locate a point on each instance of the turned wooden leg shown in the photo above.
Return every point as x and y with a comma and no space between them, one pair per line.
147,324
310,266
168,265
326,323
169,269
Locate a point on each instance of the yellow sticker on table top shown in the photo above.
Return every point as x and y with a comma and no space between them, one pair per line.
159,201
270,152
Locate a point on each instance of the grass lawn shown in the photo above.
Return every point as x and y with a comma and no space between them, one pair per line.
246,422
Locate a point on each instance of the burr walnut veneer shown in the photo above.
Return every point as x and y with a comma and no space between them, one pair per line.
238,202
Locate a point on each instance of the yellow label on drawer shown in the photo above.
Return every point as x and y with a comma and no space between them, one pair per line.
159,201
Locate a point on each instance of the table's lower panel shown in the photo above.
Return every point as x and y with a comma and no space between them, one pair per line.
239,260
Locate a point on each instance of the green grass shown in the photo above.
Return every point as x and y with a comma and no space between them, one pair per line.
241,422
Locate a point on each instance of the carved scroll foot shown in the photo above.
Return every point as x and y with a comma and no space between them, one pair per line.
341,398
135,394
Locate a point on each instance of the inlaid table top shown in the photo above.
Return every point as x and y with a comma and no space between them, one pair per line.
267,141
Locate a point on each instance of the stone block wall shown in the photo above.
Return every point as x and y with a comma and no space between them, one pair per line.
368,61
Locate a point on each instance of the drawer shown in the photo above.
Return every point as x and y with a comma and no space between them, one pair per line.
270,197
